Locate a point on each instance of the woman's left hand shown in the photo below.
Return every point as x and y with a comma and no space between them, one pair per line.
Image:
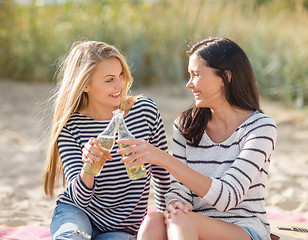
176,206
141,151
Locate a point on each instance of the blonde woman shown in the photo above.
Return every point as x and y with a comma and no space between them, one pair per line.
94,80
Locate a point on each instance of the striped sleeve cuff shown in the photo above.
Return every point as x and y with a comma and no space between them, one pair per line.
82,193
212,195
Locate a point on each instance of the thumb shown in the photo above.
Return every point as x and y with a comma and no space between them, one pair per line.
109,157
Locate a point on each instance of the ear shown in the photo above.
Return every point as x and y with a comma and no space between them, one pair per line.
229,75
86,89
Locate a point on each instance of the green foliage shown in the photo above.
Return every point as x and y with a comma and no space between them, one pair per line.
154,36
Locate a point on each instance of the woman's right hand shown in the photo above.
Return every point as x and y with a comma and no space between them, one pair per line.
141,151
91,152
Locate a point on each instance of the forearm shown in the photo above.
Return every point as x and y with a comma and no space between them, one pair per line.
87,179
145,152
196,182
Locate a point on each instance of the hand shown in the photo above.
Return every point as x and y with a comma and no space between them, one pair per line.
91,151
176,206
142,152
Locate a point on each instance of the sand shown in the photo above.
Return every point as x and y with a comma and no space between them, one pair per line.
25,116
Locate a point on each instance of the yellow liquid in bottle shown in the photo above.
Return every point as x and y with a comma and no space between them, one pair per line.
136,172
95,167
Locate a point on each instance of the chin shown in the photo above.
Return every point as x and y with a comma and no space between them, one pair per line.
199,104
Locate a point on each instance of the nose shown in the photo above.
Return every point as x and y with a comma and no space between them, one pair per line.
189,84
120,82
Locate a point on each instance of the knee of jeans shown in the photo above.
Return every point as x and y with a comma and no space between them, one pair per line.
71,234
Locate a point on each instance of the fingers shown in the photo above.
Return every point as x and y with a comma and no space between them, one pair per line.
91,151
130,141
176,206
133,159
136,153
189,207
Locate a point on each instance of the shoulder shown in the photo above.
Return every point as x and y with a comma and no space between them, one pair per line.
145,101
260,124
77,118
78,122
261,119
145,105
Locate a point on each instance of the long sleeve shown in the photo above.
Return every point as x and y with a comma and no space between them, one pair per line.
257,147
70,153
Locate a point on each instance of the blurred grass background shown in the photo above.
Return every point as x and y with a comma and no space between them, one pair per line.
154,36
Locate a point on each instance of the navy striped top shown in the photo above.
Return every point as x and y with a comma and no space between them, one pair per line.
238,168
115,203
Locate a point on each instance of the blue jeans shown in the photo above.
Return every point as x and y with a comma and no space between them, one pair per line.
253,234
70,222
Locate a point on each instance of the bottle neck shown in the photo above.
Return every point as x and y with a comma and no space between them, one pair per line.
123,130
111,128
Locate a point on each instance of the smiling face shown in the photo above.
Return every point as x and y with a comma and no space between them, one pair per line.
104,89
205,84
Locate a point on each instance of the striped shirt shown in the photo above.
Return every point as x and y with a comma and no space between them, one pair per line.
238,168
115,203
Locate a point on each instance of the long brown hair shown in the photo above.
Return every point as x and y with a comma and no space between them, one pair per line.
223,55
74,75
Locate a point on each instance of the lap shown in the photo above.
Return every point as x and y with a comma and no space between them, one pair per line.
114,236
70,222
207,227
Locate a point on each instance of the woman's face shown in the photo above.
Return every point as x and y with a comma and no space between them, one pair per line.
205,84
104,90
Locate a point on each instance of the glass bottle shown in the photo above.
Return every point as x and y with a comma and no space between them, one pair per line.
107,139
138,171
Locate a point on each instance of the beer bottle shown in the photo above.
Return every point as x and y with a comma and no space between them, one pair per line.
107,139
138,171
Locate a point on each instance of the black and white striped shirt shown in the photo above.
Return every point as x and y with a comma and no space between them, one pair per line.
114,203
238,168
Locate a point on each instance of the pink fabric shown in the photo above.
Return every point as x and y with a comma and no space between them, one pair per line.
25,233
280,217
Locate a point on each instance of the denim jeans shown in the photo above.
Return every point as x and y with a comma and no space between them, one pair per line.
70,222
253,234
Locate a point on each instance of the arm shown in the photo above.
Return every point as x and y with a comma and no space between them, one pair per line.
80,186
146,153
235,182
91,153
257,145
183,176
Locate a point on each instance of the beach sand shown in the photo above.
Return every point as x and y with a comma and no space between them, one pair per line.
25,116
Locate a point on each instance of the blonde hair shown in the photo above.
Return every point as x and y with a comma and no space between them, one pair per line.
74,75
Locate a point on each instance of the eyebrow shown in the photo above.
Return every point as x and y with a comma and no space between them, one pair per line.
194,70
109,75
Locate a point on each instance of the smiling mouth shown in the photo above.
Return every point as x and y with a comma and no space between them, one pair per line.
196,94
116,94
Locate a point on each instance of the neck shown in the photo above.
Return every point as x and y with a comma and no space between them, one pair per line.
98,113
225,120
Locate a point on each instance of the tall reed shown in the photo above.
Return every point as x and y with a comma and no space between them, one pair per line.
154,35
